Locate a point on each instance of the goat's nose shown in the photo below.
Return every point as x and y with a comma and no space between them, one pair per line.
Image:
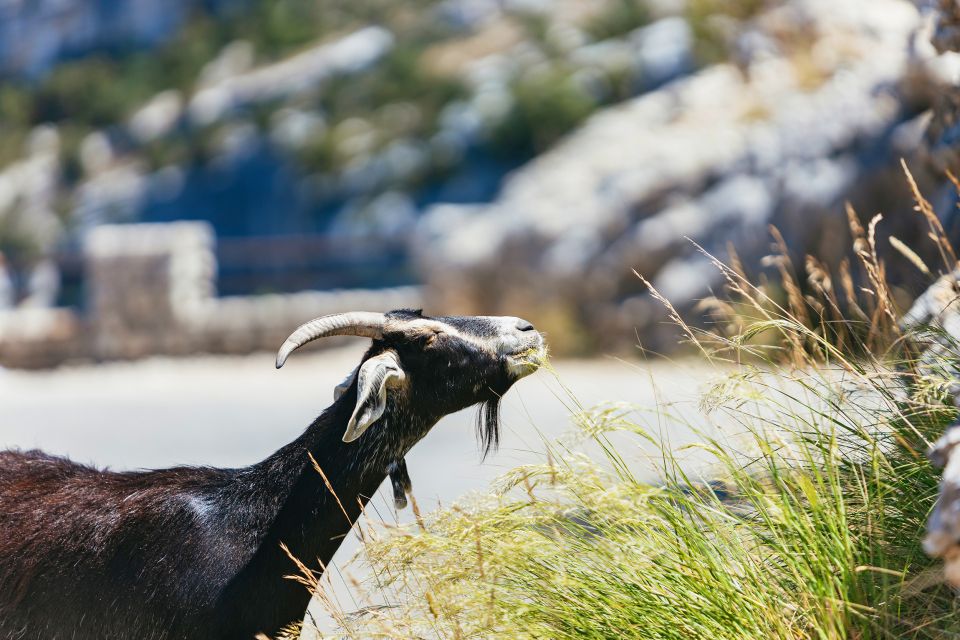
523,325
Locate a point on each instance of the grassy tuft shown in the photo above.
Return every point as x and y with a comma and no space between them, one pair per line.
803,519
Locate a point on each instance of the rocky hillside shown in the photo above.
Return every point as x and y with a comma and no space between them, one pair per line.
815,109
530,153
291,116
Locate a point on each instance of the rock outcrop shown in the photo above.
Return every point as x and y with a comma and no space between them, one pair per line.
939,308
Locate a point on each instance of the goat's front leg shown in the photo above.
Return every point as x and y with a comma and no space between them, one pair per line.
400,479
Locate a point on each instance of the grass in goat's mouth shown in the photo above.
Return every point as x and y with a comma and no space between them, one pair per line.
534,356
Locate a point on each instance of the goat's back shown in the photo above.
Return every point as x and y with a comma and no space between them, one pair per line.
86,553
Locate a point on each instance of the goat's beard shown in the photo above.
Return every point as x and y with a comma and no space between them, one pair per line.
488,415
488,425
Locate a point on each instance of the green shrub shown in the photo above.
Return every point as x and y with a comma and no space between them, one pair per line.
619,18
546,106
711,22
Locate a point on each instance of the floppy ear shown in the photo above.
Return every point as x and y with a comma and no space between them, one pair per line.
341,388
373,378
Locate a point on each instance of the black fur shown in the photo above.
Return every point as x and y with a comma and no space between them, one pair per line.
400,481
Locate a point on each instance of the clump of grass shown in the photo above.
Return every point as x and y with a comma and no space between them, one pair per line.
810,528
805,521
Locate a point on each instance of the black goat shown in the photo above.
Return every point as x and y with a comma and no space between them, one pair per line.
192,552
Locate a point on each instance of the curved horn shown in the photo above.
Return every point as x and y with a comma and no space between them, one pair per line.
355,323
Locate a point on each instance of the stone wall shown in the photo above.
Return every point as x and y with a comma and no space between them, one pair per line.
151,289
141,281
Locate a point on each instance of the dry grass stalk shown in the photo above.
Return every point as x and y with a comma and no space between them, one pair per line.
672,312
910,255
797,306
937,233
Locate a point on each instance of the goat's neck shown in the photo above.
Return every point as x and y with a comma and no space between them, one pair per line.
292,504
321,506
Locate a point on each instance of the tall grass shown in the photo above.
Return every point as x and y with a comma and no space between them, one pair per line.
804,523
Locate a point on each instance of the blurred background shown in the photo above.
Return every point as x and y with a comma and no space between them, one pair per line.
202,175
183,182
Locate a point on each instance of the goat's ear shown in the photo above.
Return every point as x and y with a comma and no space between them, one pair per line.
373,378
341,388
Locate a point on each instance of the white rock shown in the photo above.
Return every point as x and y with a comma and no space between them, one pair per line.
664,50
158,117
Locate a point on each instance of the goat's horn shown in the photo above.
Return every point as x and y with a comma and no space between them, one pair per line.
356,323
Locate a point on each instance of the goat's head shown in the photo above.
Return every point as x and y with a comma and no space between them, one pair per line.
429,367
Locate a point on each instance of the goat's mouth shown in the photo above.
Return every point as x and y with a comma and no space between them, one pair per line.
527,360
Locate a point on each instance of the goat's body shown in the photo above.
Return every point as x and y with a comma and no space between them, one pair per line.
92,556
89,554
90,549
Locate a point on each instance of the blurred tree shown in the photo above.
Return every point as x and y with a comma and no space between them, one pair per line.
546,106
618,18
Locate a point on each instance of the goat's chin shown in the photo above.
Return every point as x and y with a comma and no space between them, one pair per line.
522,364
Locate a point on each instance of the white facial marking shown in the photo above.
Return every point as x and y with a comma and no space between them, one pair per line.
507,341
